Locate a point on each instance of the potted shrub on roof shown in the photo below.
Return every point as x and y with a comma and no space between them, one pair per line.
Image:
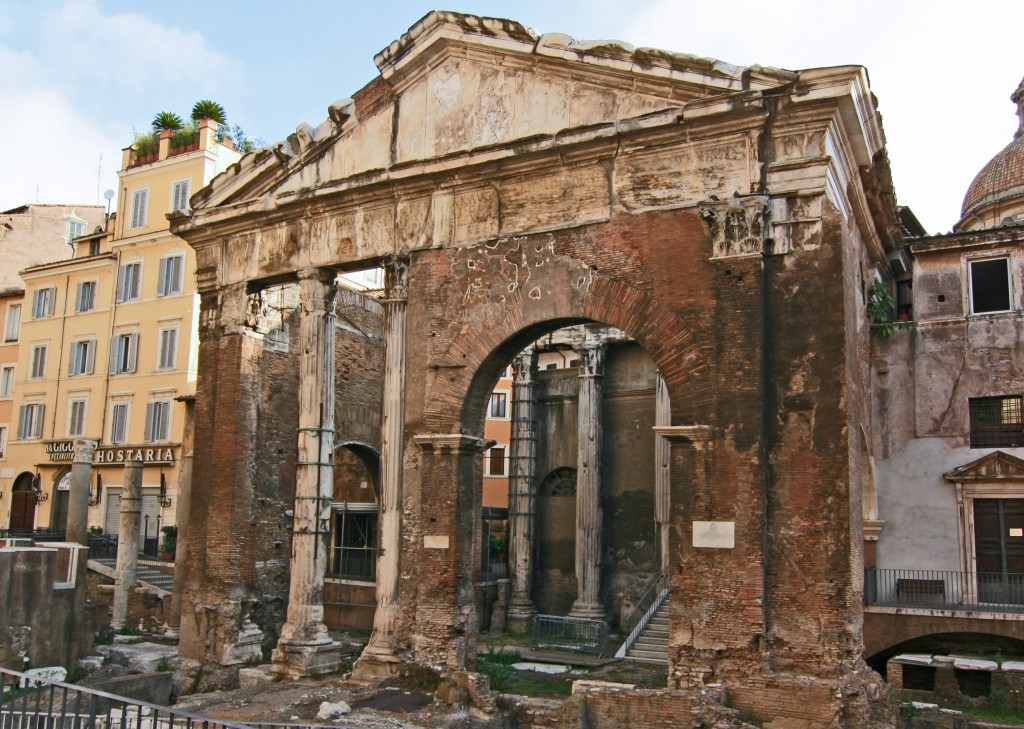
207,109
167,121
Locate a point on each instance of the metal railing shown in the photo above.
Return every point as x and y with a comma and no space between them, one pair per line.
37,535
570,634
102,546
31,702
648,604
944,589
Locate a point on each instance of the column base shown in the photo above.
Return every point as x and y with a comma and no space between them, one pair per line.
297,660
520,615
374,665
589,611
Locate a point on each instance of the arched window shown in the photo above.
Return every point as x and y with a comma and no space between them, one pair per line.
560,482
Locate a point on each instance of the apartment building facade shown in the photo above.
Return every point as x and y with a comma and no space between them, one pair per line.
107,351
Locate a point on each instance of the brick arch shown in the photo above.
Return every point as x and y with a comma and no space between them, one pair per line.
884,632
359,425
484,349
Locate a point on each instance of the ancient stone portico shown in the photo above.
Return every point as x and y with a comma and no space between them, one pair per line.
726,219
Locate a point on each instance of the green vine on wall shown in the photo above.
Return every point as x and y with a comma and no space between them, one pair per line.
882,310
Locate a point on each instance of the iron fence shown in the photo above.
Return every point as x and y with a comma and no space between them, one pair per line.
573,634
102,546
944,589
36,535
31,702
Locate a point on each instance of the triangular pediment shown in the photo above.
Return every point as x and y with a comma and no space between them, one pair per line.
457,83
996,466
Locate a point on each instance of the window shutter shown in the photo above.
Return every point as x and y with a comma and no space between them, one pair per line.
21,422
149,423
133,350
176,275
90,356
112,355
120,284
161,278
73,358
49,299
37,422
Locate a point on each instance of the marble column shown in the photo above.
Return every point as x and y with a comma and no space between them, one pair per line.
522,490
127,541
78,501
379,660
662,456
589,516
305,648
181,516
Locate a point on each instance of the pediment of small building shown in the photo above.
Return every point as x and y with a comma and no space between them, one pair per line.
456,84
995,466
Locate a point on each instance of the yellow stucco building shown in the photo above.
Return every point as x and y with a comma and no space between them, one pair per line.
107,350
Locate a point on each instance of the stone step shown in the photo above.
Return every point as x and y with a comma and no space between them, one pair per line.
648,657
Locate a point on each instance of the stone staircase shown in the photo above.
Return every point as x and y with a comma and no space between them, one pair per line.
158,581
652,645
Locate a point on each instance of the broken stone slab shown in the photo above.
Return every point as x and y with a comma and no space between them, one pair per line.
974,664
1015,666
48,673
90,663
917,659
127,639
540,667
332,710
943,659
255,676
142,657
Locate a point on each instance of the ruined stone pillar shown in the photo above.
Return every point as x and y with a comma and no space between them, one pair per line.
305,648
127,541
662,455
181,516
379,660
78,501
522,496
446,621
589,516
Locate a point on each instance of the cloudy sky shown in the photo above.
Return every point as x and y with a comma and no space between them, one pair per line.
77,76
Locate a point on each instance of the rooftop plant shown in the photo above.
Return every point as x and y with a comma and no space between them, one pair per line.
207,109
166,121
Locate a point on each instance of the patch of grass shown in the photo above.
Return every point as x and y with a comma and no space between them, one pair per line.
998,710
102,639
128,630
504,678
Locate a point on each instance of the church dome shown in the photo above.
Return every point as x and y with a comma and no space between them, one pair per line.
997,192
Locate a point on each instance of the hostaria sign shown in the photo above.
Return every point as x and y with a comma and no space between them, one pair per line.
64,450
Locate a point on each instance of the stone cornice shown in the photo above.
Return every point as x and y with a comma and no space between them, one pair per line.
440,443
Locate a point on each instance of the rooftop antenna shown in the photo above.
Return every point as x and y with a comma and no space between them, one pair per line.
37,193
99,175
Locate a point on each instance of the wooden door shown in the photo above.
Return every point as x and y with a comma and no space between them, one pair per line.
23,510
999,549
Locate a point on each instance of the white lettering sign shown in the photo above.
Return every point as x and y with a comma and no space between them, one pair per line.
714,534
64,450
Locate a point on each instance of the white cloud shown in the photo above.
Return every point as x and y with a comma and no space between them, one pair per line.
50,146
78,95
130,53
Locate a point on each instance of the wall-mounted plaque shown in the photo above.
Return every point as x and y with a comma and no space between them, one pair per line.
714,534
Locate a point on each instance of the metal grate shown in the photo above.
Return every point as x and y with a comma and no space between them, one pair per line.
997,422
571,634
